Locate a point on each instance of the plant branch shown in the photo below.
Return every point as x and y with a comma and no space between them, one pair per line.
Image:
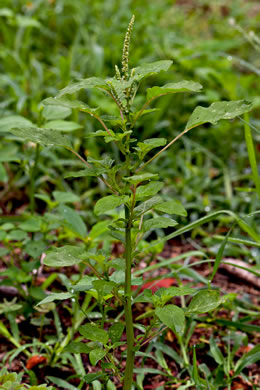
165,148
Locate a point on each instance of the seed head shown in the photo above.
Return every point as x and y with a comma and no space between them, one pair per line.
125,56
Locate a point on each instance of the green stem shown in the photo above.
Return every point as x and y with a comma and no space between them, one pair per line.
128,377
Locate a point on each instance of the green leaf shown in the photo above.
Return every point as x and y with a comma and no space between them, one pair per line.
65,256
159,222
219,255
93,333
65,197
182,86
146,70
217,111
92,82
61,383
72,104
171,292
90,171
73,220
95,355
204,301
9,122
61,125
42,136
171,316
77,347
103,287
93,376
144,147
53,112
115,331
109,202
9,153
55,297
249,358
147,205
215,351
136,179
171,207
148,190
32,224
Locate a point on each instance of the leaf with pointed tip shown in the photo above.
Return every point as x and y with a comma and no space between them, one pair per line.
147,205
148,190
92,82
73,220
9,122
171,316
109,202
204,301
95,355
90,171
77,347
217,111
72,104
144,147
172,207
61,125
146,70
136,179
65,256
42,136
160,222
93,333
182,86
55,297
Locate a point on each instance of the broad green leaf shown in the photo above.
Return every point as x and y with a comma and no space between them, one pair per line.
32,224
89,378
77,347
144,147
92,82
115,331
3,176
148,190
9,122
73,220
174,291
42,136
90,171
98,229
182,86
96,354
73,104
93,333
217,111
55,297
159,222
204,301
65,197
136,179
171,316
61,125
147,205
9,153
146,70
171,207
249,358
54,112
109,202
103,287
65,256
